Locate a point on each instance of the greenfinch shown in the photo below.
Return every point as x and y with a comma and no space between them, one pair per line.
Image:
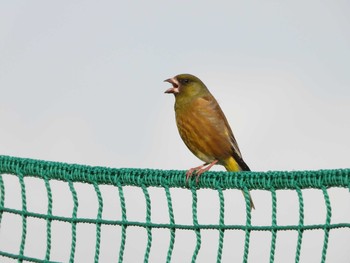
203,127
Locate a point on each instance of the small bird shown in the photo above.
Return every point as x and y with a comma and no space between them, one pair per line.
203,127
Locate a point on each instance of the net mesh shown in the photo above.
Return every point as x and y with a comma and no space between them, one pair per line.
146,178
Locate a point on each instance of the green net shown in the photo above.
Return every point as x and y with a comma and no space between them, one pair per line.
146,178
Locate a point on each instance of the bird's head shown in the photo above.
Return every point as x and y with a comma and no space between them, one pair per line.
186,85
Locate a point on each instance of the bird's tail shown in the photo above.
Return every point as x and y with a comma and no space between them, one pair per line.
232,166
252,206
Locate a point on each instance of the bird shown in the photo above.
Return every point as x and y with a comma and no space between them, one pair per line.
204,128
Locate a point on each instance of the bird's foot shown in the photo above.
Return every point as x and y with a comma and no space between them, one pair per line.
199,170
190,172
204,169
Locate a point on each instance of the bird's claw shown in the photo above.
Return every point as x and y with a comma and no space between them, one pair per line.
199,170
191,171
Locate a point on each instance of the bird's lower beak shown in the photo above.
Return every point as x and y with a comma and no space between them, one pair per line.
171,90
175,88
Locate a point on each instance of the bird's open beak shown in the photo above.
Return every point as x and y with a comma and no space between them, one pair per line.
175,88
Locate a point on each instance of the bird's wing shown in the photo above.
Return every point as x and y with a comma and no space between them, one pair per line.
215,115
212,112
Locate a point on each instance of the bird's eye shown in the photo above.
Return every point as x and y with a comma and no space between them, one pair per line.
186,81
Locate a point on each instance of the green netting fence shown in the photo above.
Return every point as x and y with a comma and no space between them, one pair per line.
145,178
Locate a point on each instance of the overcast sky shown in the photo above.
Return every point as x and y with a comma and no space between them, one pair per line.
82,81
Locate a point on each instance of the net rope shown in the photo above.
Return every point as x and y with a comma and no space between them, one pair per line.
145,178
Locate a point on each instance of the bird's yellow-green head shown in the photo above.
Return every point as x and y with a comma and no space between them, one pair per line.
186,86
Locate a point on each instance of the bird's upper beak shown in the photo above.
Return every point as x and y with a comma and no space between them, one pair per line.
175,88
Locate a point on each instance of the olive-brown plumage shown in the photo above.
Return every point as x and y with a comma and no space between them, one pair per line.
203,126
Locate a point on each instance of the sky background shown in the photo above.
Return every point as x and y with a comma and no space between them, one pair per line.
82,82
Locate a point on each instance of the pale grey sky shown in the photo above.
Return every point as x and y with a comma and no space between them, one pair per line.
82,81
